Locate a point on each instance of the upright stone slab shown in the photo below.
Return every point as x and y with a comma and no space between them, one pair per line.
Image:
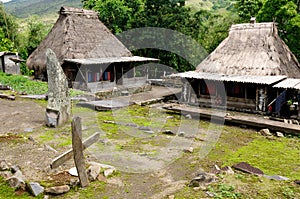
58,109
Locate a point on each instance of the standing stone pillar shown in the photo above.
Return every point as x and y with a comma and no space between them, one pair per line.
58,109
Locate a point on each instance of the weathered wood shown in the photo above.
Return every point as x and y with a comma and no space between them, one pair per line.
78,151
69,154
5,96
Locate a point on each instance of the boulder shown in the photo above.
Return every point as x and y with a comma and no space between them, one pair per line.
58,190
189,150
276,177
16,182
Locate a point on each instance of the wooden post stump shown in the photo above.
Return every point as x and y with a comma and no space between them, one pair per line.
78,151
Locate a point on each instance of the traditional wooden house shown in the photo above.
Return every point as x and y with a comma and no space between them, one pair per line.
242,71
91,56
10,63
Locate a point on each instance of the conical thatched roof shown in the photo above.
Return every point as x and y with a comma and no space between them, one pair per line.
77,34
252,49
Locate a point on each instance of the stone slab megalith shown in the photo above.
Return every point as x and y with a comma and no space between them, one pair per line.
58,109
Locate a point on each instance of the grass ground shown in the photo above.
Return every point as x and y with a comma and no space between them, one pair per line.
278,156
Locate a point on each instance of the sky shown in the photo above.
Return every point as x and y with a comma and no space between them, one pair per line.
5,1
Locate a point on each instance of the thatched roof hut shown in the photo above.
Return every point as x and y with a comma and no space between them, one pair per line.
252,49
77,34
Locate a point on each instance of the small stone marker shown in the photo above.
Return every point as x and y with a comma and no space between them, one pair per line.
35,188
78,151
59,103
245,167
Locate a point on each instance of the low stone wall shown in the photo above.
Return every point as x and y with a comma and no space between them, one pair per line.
121,90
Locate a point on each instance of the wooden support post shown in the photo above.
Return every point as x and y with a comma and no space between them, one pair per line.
69,154
78,151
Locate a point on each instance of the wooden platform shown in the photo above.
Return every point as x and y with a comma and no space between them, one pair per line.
250,120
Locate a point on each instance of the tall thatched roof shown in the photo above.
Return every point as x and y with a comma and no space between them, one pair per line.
77,34
252,49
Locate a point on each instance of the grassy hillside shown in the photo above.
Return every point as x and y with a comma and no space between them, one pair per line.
25,8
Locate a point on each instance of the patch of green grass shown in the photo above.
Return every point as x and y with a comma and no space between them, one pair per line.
221,191
273,157
23,84
8,192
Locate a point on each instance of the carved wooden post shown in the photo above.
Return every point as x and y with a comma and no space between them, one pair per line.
78,151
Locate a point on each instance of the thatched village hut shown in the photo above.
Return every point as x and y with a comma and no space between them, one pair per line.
91,56
250,70
10,63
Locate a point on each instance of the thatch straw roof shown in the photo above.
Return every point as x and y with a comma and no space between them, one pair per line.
77,34
252,49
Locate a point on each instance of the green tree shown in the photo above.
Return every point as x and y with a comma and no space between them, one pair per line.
36,32
8,31
248,8
286,14
117,15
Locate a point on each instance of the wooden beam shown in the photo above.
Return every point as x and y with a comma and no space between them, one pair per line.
5,96
78,151
69,154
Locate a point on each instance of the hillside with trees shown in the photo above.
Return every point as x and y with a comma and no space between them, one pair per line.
26,8
207,22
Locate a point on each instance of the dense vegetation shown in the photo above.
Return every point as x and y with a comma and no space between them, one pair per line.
207,22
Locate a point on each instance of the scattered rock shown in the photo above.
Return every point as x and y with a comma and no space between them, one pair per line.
168,132
73,171
181,134
35,188
227,170
49,148
115,181
245,167
93,171
150,132
16,182
171,197
15,168
276,177
279,134
58,190
109,172
170,117
32,139
46,197
203,178
188,116
285,121
265,132
297,182
74,182
189,150
6,174
145,128
210,194
3,165
101,178
28,130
